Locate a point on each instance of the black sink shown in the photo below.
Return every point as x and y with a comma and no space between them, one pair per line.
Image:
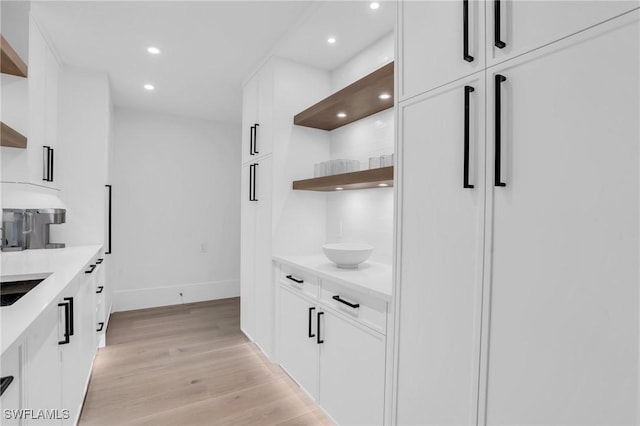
12,291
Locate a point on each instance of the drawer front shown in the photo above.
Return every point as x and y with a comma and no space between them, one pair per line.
296,279
366,309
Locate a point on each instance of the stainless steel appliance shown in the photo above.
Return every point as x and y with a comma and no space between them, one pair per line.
29,228
15,228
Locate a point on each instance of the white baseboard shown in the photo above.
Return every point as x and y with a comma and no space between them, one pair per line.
127,300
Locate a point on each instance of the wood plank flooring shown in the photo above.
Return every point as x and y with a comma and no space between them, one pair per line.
190,365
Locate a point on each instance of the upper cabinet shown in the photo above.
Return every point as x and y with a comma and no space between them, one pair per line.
468,35
257,106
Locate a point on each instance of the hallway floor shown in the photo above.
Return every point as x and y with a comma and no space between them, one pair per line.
190,365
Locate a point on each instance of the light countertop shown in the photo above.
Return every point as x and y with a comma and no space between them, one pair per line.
370,277
63,265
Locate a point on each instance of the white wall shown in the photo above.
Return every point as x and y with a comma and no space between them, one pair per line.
175,189
364,216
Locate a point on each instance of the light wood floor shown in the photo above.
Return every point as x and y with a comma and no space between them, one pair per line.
190,365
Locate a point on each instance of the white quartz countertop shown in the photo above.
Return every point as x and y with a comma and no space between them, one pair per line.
63,265
370,277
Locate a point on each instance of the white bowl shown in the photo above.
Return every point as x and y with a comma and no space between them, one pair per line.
347,255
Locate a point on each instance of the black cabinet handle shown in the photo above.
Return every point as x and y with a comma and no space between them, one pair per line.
318,339
45,163
100,288
465,178
351,305
255,171
4,383
50,164
496,25
465,31
99,261
91,269
255,138
251,181
71,322
292,278
251,133
67,331
499,79
311,309
101,326
109,222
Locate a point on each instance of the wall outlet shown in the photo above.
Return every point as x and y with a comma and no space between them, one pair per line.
203,248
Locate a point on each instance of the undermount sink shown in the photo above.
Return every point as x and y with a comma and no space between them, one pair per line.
347,255
13,288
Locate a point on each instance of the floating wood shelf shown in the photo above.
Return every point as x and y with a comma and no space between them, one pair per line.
372,178
358,100
10,61
11,138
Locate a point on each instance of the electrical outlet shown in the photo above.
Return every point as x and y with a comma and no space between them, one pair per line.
203,248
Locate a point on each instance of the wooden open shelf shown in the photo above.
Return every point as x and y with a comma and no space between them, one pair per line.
357,100
10,61
372,178
11,138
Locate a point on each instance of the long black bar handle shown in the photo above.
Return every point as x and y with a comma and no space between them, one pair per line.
45,163
349,304
109,221
318,339
465,178
311,309
251,182
499,79
99,329
496,26
251,133
99,290
292,278
255,139
4,383
67,332
465,31
50,164
70,300
255,170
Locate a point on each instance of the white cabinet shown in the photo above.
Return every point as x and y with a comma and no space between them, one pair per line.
257,114
11,370
522,26
329,347
549,235
441,265
563,274
249,117
437,29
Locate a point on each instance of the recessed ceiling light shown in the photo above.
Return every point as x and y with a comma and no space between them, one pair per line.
384,96
153,50
339,188
331,40
383,184
374,5
341,115
149,86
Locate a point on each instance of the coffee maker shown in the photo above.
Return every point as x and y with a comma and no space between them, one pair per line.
29,228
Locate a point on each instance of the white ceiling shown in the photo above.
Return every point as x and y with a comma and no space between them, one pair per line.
208,47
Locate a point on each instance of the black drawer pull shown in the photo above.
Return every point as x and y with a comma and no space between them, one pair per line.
91,268
351,305
99,261
465,31
66,324
100,288
70,300
498,130
292,278
319,340
311,309
255,138
465,174
4,383
101,326
496,26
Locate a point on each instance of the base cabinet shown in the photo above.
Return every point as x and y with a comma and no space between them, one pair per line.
11,368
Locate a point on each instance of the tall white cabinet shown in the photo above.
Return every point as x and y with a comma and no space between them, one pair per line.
517,298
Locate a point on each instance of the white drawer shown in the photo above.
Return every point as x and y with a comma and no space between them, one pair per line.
298,280
367,309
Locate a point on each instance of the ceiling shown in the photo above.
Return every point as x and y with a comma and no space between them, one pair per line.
208,47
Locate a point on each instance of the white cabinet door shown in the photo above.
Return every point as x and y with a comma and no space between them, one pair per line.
249,117
44,380
11,366
247,253
441,262
432,35
563,277
525,25
263,263
298,347
352,371
263,140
